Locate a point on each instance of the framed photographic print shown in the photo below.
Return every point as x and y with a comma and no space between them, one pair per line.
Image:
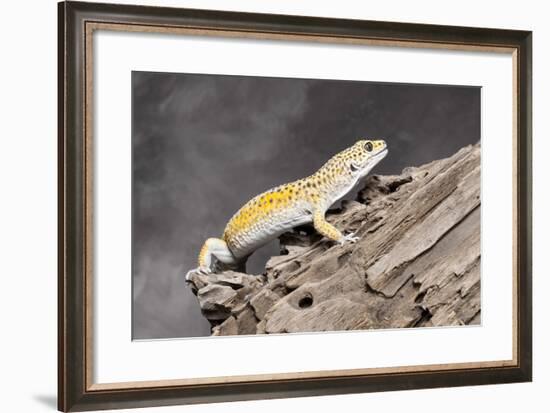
263,206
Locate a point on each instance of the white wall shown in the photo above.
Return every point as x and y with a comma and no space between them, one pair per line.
28,203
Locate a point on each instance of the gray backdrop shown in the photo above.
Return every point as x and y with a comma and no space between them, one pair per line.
203,145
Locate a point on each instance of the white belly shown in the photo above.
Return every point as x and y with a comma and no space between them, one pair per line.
268,229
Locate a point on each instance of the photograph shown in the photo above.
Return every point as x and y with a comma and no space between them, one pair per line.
257,204
269,205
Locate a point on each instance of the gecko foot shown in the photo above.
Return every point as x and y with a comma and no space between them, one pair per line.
349,238
198,270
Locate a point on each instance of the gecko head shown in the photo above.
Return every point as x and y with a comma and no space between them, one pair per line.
364,155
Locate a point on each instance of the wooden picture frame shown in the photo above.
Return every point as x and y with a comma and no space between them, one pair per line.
77,21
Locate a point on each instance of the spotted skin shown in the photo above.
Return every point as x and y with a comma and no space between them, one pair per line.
280,209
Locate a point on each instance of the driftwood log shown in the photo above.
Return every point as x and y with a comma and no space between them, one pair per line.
417,263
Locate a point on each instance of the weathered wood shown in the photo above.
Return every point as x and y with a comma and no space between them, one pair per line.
417,262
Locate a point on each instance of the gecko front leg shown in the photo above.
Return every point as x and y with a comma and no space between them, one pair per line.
330,231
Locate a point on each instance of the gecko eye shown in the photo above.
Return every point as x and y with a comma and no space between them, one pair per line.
368,147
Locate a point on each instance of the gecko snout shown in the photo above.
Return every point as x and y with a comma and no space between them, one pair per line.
379,144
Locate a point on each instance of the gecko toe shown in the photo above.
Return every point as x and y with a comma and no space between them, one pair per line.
189,275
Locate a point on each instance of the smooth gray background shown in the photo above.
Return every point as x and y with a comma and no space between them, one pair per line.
203,145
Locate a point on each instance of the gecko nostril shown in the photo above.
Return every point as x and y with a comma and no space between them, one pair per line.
306,301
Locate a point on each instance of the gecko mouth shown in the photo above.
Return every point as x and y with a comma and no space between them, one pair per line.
382,153
377,157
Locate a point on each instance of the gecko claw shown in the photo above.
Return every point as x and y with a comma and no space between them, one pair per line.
188,275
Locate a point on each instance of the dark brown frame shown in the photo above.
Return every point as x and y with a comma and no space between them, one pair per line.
77,21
